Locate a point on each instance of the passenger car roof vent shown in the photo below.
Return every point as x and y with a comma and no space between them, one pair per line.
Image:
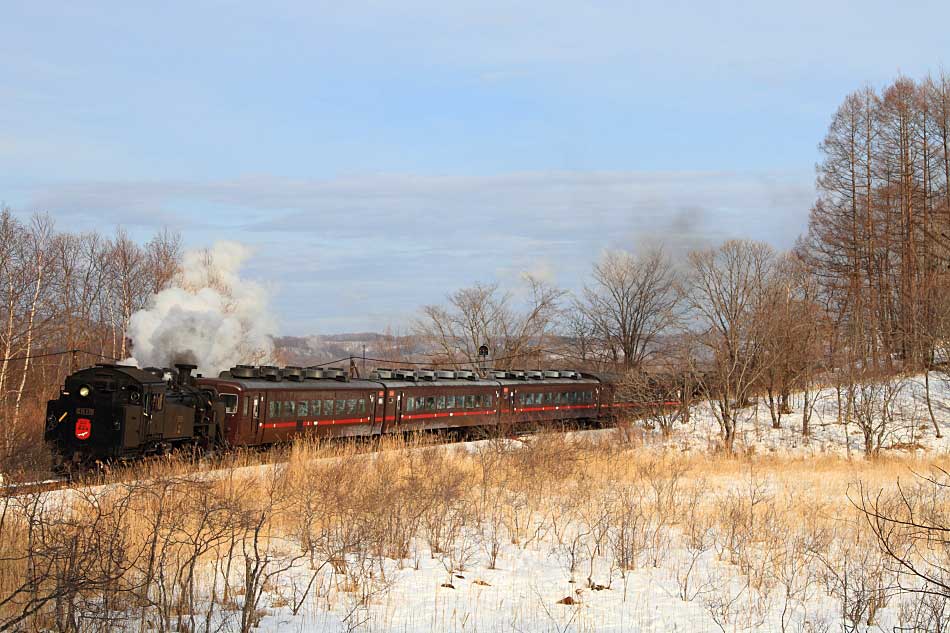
336,373
313,373
570,373
269,372
552,374
383,374
292,373
444,375
499,374
425,374
465,374
406,374
243,371
535,375
515,375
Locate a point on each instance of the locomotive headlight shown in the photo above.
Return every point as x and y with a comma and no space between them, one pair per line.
84,391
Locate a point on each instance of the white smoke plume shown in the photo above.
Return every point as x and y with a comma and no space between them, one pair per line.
212,317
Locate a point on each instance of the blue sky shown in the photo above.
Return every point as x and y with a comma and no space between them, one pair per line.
379,155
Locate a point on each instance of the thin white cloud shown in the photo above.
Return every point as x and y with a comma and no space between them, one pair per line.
358,246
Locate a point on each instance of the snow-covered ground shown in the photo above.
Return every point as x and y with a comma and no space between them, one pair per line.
526,594
527,589
531,588
911,431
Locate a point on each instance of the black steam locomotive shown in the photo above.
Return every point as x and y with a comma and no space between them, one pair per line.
114,411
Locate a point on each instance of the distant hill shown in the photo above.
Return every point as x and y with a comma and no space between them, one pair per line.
323,348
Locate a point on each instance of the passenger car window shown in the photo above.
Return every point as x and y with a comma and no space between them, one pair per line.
340,407
441,403
469,402
430,403
273,409
450,402
303,408
230,402
410,404
488,402
314,407
351,406
362,406
328,407
288,409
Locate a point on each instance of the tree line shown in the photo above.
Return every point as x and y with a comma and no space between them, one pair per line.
65,303
862,295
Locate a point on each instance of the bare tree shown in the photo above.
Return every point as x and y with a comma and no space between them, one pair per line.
875,410
14,276
163,259
630,303
41,231
129,287
793,330
725,291
579,336
665,393
484,315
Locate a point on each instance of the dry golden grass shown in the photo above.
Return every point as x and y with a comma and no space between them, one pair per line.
169,546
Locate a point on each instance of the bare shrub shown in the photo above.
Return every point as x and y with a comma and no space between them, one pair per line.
856,576
875,411
911,526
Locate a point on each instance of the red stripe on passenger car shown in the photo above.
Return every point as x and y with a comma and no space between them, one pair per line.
287,425
450,414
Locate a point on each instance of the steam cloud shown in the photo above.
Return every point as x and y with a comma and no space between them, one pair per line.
212,318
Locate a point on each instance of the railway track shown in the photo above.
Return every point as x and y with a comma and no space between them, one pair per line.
32,487
130,471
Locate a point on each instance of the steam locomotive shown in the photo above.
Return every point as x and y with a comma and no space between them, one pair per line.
113,412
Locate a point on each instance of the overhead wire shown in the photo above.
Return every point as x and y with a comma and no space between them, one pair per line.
324,364
434,362
59,353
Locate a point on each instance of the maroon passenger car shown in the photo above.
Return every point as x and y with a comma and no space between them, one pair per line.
264,405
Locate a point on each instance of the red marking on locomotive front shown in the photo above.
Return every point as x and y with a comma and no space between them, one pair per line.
83,428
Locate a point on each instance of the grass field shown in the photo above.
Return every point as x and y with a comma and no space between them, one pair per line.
555,532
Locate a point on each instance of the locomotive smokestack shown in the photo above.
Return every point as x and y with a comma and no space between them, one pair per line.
184,373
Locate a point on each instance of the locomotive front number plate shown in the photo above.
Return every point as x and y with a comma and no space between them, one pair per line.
85,411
